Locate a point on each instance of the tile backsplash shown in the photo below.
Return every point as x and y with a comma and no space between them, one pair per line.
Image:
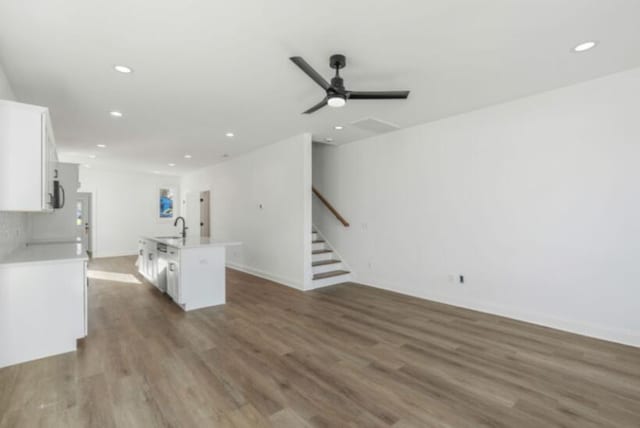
13,231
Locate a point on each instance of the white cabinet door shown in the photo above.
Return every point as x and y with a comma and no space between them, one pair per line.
152,263
148,261
85,284
140,259
50,162
43,310
146,267
161,271
27,157
173,274
173,281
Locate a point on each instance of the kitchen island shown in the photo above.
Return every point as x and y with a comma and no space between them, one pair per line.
190,270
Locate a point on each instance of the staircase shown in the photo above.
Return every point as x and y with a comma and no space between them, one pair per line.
326,267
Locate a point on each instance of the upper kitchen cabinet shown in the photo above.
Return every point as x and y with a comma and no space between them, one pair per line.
28,158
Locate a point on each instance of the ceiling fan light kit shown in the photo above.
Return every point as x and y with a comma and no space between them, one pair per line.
336,94
336,100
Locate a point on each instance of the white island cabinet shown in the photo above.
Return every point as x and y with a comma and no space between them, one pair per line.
191,271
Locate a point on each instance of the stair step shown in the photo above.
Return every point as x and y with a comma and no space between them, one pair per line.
325,262
321,251
330,274
319,241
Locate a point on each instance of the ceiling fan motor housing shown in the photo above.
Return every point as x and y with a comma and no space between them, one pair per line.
338,84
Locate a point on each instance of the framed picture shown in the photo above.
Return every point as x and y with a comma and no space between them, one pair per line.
166,203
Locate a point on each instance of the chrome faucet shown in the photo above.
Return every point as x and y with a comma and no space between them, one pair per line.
184,226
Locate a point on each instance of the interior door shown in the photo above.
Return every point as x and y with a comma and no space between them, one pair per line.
205,215
83,220
193,213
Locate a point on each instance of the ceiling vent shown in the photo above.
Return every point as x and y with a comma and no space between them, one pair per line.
376,126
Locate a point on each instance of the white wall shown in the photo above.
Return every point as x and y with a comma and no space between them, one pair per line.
125,206
276,238
13,231
536,202
13,226
60,225
6,93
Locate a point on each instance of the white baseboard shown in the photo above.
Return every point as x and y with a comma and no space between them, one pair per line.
266,275
622,336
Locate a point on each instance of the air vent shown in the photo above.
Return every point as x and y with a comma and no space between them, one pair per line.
376,126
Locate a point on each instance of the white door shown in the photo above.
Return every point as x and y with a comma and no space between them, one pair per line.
83,220
193,213
205,214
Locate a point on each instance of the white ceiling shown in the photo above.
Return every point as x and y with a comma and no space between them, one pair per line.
205,67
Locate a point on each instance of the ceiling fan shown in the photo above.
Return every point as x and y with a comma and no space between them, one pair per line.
337,95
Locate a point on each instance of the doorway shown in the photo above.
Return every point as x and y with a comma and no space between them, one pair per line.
83,220
198,213
205,215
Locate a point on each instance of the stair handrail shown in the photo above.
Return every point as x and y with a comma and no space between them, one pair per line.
327,204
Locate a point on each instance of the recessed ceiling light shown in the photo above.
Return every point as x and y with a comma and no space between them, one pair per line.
338,127
583,47
229,134
115,113
101,146
122,69
328,139
187,156
172,164
86,165
92,156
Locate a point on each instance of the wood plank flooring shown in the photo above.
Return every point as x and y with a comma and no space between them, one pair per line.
346,356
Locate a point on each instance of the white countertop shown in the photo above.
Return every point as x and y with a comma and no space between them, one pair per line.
45,253
192,242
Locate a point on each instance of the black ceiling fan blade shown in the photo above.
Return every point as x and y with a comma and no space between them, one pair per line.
316,107
378,95
304,66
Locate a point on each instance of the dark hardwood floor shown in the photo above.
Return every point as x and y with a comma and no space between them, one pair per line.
345,356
